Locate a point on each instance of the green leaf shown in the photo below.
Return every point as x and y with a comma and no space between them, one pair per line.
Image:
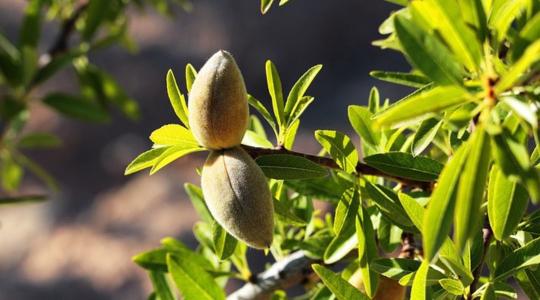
529,34
30,28
284,214
176,98
339,286
418,290
422,105
405,165
299,108
507,202
95,15
425,134
173,135
388,203
427,54
276,92
192,280
265,5
254,139
224,243
406,79
263,111
472,184
340,148
56,64
510,155
446,18
76,107
196,196
290,135
39,140
286,166
453,286
344,228
515,74
367,251
144,160
395,268
523,257
374,101
361,121
525,110
22,199
171,154
299,89
438,217
11,173
191,73
161,286
502,17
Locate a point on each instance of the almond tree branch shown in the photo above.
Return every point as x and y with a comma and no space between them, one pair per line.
361,168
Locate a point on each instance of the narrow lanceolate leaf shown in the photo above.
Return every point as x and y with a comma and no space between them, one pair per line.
263,111
452,286
528,255
172,134
177,100
144,160
340,148
422,105
427,53
224,243
344,227
518,69
388,203
406,79
507,202
286,166
298,109
265,5
471,188
446,18
339,286
96,13
191,73
192,280
161,286
299,89
276,93
405,165
30,29
360,118
503,16
22,199
367,251
76,107
522,108
438,217
418,290
425,134
196,196
529,34
510,155
171,154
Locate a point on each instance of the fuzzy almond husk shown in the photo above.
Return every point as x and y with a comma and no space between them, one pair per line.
387,289
237,194
218,107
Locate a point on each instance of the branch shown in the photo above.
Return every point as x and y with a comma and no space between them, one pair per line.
361,168
61,43
286,273
296,269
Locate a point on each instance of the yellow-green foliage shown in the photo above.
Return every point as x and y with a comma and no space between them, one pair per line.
218,107
387,289
238,196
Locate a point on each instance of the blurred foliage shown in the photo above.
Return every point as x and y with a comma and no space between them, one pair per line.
83,27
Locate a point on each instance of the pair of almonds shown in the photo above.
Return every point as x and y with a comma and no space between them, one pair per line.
234,187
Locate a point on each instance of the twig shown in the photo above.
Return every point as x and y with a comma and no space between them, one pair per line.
61,42
487,234
361,168
286,273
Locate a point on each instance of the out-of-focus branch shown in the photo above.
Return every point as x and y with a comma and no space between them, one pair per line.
286,273
60,44
361,168
294,270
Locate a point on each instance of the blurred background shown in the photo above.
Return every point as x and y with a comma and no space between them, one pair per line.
78,245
